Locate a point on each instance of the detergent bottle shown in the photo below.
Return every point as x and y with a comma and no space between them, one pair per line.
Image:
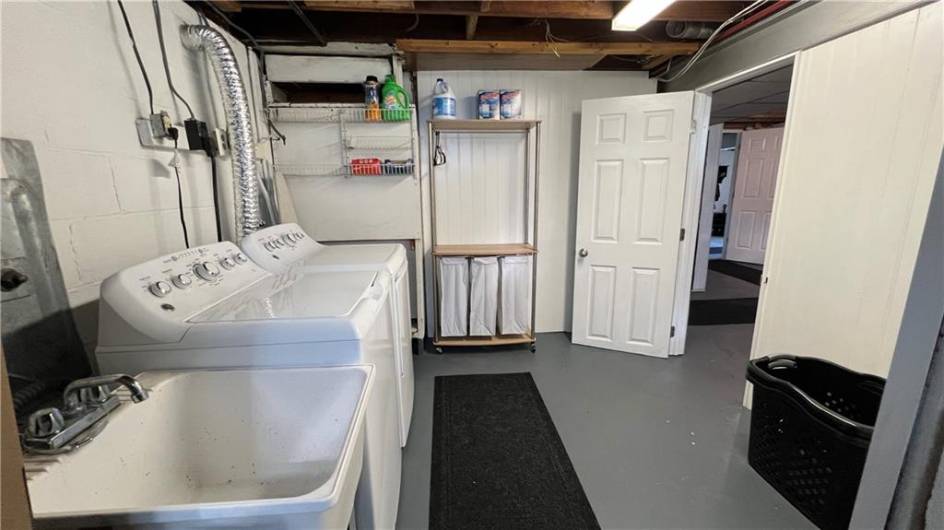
395,103
444,101
371,99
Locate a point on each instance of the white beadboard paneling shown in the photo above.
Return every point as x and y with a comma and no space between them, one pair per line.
482,181
860,156
554,98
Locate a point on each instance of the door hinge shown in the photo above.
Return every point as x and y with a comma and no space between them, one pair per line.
682,235
672,332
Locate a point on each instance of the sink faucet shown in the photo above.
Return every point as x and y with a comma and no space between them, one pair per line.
91,391
87,404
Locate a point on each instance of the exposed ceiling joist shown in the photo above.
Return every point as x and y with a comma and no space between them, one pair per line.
227,6
471,22
689,10
543,48
656,62
571,9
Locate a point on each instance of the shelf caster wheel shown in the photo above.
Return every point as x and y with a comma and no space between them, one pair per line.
439,350
533,347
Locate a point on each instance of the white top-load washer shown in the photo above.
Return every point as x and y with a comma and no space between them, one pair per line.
285,247
211,306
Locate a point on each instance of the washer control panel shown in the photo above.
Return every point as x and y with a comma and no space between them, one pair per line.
167,290
278,247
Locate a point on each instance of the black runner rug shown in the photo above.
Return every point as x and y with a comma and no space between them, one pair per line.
498,461
733,268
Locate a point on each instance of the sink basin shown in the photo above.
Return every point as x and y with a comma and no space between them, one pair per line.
255,448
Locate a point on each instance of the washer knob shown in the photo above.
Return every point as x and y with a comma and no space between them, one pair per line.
160,289
227,263
288,238
241,258
268,245
182,281
206,270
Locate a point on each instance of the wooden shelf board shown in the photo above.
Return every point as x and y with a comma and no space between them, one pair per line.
483,125
501,249
502,340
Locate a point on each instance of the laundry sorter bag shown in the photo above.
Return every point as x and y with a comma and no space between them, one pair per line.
483,307
454,297
515,295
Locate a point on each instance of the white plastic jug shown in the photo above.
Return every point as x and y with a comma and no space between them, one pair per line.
444,101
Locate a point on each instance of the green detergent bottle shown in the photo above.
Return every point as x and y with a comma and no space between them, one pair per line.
395,102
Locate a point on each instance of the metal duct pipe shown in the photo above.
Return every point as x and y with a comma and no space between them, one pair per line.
689,30
239,119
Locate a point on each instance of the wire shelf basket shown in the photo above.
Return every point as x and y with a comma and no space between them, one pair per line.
328,114
365,169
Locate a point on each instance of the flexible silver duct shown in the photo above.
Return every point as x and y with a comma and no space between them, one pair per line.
239,119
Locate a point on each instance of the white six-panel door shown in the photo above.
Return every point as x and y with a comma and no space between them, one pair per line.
633,162
753,198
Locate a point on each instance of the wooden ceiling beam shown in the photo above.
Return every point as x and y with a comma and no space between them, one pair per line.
359,6
471,22
228,6
542,47
567,9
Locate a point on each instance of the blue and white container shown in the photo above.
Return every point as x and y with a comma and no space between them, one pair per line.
489,106
444,101
510,104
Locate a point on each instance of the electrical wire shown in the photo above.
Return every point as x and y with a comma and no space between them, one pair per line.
216,199
710,39
137,55
160,40
180,195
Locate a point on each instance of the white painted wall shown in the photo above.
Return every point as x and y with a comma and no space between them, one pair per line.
555,98
861,150
71,86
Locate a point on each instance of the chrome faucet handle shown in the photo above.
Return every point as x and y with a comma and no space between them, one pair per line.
97,390
45,423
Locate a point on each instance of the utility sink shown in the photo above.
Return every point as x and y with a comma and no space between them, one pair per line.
254,448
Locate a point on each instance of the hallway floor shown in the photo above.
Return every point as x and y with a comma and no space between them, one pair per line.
656,443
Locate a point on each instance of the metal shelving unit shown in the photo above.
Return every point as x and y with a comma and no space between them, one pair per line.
353,144
526,247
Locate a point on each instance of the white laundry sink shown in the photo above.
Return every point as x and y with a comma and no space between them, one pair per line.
261,448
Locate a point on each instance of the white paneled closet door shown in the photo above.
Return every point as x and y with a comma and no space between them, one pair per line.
633,164
753,200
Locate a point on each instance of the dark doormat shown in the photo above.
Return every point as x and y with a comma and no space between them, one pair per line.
498,461
733,268
715,312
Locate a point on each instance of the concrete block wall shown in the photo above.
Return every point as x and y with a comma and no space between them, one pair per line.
71,85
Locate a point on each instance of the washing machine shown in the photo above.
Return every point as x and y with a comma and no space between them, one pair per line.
211,306
285,247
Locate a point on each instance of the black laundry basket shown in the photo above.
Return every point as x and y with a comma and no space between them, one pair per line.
811,424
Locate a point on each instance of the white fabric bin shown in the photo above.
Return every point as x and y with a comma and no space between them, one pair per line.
515,295
483,307
454,297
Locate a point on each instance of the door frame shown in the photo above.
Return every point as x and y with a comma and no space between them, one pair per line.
693,188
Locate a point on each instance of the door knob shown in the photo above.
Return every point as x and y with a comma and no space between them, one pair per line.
583,253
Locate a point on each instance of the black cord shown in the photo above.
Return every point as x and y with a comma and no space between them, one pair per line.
180,194
216,199
137,55
160,39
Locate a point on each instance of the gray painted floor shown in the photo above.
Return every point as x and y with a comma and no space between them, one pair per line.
657,443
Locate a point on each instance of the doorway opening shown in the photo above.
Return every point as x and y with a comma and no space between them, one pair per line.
747,120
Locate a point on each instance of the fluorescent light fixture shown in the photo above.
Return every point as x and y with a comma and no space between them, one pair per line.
637,13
